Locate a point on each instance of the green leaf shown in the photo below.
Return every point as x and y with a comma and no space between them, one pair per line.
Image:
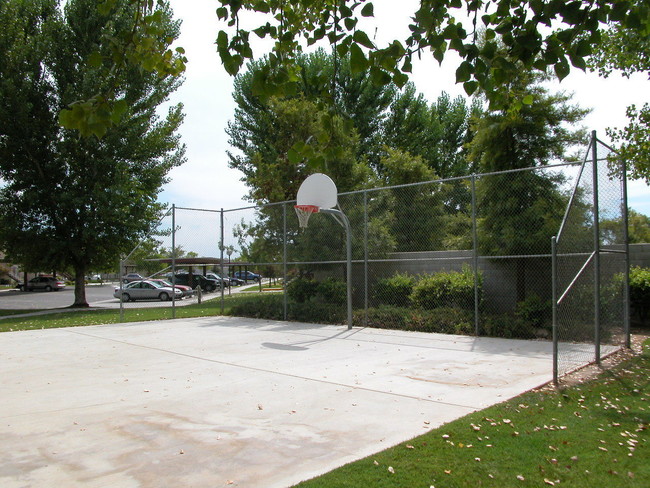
528,99
368,10
293,156
222,13
358,61
470,87
400,79
350,23
95,59
362,38
464,72
562,69
119,108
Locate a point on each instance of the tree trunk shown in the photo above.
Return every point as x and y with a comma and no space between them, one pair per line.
79,288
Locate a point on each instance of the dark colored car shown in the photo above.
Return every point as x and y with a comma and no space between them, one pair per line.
196,280
247,276
47,283
227,281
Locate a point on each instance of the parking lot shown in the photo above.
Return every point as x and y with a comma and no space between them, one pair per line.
99,296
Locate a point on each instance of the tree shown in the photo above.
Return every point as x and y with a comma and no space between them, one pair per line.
628,51
437,132
418,210
266,132
520,211
70,203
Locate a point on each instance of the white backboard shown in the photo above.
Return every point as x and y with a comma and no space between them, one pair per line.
318,189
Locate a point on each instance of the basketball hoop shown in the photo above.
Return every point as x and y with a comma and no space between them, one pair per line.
304,212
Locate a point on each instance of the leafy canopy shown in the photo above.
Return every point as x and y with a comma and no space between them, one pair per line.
537,35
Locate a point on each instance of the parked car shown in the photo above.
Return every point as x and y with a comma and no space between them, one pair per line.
247,276
146,290
187,291
196,280
128,278
214,276
47,283
235,281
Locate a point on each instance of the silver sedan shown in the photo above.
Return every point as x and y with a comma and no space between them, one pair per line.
146,290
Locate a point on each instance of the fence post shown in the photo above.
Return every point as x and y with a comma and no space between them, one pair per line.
475,257
221,248
284,261
173,259
594,155
626,288
554,298
119,277
365,258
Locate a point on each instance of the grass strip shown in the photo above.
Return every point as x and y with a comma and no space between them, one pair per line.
80,318
592,435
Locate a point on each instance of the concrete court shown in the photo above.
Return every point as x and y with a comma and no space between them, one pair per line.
217,401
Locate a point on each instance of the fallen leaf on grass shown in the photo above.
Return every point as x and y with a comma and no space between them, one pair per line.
408,446
549,482
391,470
520,477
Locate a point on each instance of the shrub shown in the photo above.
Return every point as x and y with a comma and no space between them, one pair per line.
316,313
535,311
446,289
640,292
444,320
302,290
259,306
507,326
332,291
395,290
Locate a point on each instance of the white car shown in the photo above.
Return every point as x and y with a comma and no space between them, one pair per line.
146,290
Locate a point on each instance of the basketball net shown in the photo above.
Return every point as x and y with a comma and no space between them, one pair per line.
304,212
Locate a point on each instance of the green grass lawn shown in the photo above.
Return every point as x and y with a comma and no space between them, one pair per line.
77,318
593,435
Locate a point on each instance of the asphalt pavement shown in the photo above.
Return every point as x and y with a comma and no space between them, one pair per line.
97,296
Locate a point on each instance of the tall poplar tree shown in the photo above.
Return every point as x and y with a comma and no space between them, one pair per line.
68,203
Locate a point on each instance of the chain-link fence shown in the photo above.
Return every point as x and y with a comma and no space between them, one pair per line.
468,255
591,263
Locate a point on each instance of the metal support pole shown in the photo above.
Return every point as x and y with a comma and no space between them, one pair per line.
221,248
594,155
365,258
554,297
284,262
475,257
626,288
173,259
119,277
343,220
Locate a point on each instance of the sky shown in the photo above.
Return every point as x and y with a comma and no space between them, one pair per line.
206,181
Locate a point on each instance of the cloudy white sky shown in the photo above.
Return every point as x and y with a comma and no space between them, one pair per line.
205,181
